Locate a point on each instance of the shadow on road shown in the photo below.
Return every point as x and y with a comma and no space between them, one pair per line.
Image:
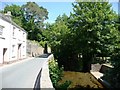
37,83
44,55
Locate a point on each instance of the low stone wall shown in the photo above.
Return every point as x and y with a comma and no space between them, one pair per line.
98,72
45,81
34,49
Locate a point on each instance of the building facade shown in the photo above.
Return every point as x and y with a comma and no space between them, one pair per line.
12,40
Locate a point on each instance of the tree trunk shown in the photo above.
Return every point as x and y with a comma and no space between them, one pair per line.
45,49
87,59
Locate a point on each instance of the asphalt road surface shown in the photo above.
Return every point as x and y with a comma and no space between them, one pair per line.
22,74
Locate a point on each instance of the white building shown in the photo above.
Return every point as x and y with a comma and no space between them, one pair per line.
12,40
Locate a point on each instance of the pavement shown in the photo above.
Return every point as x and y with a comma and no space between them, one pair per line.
97,75
95,70
45,81
21,74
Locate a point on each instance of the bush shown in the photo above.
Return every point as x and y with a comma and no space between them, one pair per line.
56,73
64,85
115,73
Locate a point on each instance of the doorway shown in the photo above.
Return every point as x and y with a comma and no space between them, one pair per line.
19,51
4,54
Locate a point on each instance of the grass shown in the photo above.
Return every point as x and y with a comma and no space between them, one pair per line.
80,80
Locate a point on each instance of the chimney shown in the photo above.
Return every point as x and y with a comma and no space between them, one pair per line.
8,15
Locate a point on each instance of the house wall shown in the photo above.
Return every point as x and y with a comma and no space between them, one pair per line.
4,40
18,44
12,41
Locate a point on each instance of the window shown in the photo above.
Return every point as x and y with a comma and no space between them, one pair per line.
23,35
1,30
13,31
13,48
13,51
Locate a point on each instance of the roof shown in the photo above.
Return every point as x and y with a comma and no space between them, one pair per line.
4,17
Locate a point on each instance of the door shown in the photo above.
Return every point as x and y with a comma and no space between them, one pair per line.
4,54
19,51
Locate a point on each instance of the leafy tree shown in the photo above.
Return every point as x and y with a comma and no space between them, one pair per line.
115,61
34,14
58,36
30,17
16,13
95,29
56,31
34,17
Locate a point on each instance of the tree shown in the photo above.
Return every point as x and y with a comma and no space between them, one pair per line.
95,30
115,61
55,35
58,36
16,13
56,31
30,17
34,17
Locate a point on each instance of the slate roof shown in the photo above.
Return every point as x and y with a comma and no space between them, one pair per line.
8,19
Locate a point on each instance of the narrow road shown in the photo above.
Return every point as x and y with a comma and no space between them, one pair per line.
21,75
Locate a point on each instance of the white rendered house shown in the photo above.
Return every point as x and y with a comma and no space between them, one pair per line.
12,40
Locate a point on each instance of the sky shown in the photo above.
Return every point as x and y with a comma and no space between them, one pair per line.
54,7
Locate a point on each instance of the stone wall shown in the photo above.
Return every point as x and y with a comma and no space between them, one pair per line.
34,49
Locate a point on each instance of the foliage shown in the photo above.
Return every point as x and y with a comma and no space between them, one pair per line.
115,61
114,72
55,32
42,43
83,35
16,13
56,75
34,17
63,86
55,72
33,14
88,34
30,17
58,36
94,33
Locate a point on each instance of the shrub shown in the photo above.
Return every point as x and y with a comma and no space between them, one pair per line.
64,85
115,73
56,73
